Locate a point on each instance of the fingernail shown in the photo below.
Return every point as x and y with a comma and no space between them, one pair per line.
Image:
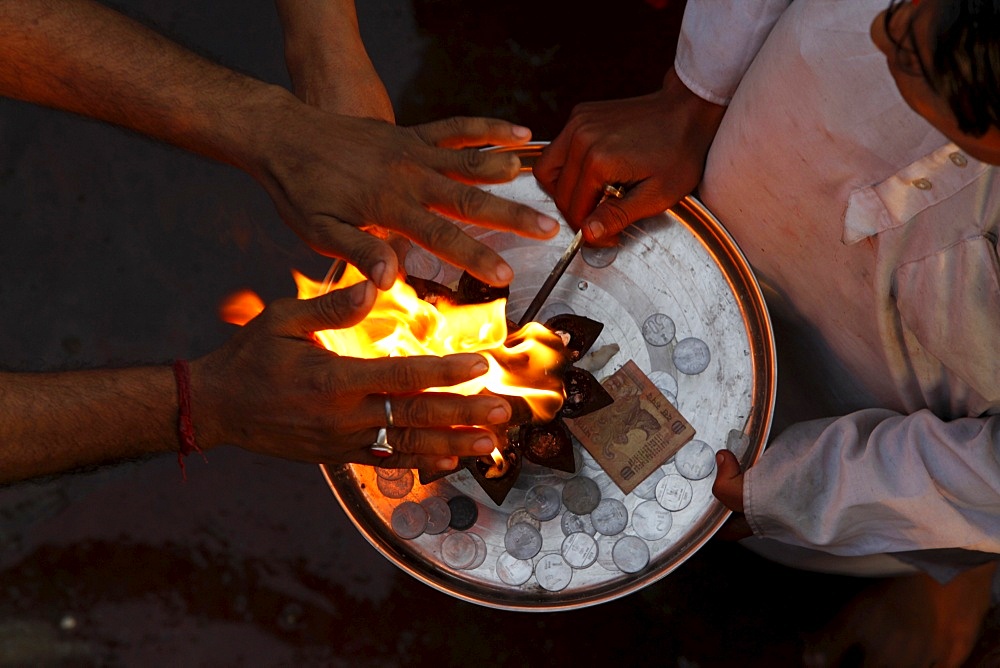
480,367
483,446
446,463
359,292
378,275
521,132
547,224
596,229
498,415
504,273
719,458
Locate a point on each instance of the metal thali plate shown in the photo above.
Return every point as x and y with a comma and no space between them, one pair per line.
677,277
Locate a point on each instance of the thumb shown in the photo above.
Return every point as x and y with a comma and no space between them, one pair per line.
728,486
333,310
614,215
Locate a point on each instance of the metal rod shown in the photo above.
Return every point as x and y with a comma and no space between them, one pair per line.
553,278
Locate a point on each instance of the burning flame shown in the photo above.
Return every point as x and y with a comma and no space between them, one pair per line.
401,324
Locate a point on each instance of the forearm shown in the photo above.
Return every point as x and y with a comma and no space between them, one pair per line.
82,57
54,422
320,35
327,60
876,481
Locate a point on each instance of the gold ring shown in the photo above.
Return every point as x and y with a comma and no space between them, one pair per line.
613,191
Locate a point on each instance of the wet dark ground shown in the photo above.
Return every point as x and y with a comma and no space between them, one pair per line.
117,250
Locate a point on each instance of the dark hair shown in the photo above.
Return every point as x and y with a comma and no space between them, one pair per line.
965,60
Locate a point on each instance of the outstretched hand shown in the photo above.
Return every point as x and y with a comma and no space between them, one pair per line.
332,177
654,146
273,389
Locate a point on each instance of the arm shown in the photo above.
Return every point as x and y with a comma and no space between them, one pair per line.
874,482
328,175
270,389
656,145
327,61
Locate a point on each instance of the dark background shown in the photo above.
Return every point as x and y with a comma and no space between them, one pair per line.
118,250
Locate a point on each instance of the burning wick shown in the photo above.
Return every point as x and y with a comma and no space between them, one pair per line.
494,466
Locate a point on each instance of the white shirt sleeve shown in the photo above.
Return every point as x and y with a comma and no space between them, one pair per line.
718,41
877,481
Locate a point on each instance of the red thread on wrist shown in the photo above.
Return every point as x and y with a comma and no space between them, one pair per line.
185,428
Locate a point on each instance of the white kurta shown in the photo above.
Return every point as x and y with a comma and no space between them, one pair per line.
876,241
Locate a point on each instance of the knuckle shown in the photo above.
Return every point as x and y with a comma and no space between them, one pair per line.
473,161
442,236
472,201
407,377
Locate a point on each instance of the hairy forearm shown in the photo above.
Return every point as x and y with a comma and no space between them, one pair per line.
53,422
327,60
80,56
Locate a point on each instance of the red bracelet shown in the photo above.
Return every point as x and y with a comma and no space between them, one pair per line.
185,428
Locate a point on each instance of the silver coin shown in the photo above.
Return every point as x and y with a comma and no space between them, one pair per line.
390,474
542,502
599,257
610,517
581,495
522,515
605,545
398,488
512,570
651,521
664,382
573,523
458,550
421,263
695,460
674,492
579,550
647,488
631,554
481,551
523,541
553,573
408,519
438,514
658,330
691,356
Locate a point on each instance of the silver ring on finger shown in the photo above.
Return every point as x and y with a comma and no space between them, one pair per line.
388,411
611,190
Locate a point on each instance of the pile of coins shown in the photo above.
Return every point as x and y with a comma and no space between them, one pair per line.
597,530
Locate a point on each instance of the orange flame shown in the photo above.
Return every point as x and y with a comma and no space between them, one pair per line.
401,324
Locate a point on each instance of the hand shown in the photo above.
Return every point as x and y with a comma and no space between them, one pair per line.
654,145
908,621
272,389
331,177
728,488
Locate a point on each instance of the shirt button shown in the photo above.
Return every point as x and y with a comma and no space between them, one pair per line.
922,184
958,159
